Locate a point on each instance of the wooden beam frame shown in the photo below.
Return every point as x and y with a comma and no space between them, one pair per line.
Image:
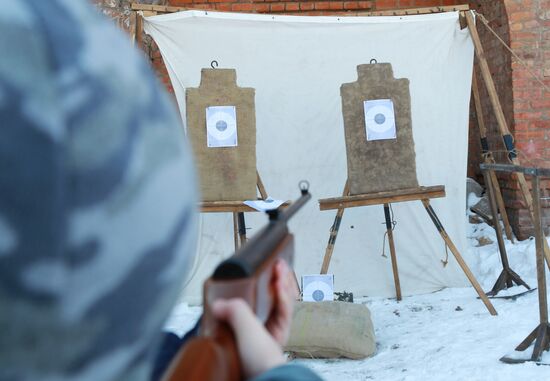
416,11
389,12
378,198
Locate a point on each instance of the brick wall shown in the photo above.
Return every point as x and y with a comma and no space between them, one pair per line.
530,38
523,24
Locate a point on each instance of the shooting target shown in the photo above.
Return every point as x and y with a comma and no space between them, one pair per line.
318,291
221,126
380,119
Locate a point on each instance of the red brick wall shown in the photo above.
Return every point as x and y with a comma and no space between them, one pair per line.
523,24
530,39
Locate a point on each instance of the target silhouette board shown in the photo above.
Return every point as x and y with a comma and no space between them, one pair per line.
221,126
378,131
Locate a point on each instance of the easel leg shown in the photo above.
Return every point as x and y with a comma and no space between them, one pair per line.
236,230
458,257
242,227
333,234
389,231
261,188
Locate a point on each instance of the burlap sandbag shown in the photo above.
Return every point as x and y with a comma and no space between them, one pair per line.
331,330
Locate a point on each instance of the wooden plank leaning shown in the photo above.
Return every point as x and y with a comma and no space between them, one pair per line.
487,157
501,120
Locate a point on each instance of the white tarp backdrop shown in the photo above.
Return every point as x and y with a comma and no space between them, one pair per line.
297,64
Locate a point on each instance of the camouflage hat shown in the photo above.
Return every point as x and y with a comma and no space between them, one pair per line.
97,198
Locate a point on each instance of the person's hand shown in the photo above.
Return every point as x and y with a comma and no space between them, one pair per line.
278,323
260,348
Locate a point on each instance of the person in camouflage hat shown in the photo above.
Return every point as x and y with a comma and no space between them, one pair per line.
97,197
98,224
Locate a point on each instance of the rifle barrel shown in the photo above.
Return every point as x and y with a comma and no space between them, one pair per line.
251,255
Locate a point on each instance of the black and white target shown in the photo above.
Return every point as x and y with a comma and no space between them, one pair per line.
380,119
318,288
221,126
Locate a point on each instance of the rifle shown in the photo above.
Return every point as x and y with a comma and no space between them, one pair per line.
247,274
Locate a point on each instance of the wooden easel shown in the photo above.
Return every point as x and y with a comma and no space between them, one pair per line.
541,334
238,208
423,194
507,277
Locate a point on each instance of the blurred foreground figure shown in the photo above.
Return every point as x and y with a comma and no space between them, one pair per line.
97,206
97,196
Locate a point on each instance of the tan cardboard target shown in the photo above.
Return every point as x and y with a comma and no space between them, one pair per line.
378,130
221,126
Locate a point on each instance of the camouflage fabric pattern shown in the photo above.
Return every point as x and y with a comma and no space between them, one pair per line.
97,198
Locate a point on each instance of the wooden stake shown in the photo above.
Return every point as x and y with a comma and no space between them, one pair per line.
458,257
334,233
501,120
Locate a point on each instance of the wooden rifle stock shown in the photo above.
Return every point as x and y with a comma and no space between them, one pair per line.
248,274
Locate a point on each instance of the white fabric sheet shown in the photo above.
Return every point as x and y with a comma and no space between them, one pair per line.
297,64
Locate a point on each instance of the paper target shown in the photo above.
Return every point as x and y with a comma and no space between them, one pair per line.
221,126
317,288
380,119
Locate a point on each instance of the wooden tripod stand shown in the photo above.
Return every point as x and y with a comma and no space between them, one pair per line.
507,277
541,334
423,194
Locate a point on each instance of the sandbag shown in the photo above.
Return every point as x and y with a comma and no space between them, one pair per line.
331,330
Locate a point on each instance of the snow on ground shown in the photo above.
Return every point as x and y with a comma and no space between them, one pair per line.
447,335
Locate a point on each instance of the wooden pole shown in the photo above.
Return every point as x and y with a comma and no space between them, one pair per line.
133,27
496,222
501,121
458,257
487,157
235,230
139,30
261,187
539,238
389,231
334,233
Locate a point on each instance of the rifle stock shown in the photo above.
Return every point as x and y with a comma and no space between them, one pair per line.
248,274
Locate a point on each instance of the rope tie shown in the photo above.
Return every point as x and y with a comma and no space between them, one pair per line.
446,261
486,23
